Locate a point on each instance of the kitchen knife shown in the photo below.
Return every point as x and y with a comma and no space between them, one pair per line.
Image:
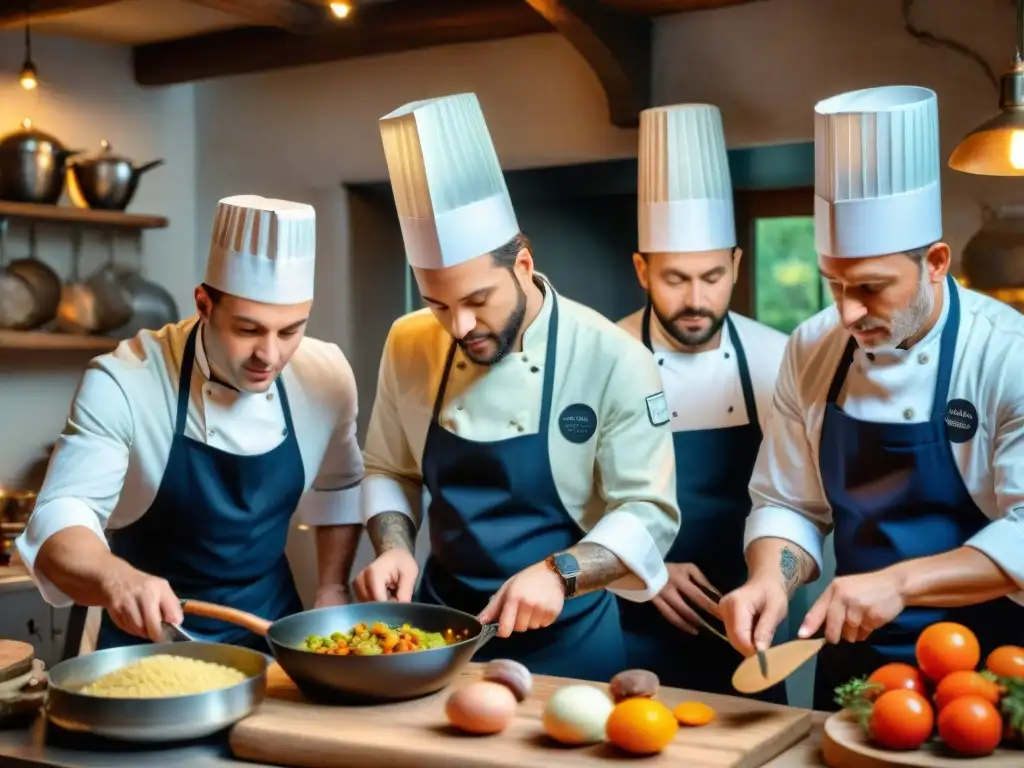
169,633
762,659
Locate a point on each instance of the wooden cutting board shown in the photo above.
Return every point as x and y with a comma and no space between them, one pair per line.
845,745
288,730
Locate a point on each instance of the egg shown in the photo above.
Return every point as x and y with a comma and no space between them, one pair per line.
481,707
576,714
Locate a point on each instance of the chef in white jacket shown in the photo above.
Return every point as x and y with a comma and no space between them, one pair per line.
898,421
537,426
718,369
190,447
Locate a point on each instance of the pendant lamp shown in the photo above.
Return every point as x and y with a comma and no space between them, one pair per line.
996,147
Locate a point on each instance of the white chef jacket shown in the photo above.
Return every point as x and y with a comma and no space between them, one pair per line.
107,466
619,485
703,389
897,386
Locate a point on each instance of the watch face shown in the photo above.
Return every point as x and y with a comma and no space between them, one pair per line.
567,565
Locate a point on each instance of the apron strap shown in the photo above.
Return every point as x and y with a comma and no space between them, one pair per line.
947,351
439,398
645,327
841,370
745,382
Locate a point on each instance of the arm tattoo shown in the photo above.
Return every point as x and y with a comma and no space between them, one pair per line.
391,530
599,567
792,567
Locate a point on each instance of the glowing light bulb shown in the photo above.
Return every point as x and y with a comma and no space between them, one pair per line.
28,77
1017,149
341,9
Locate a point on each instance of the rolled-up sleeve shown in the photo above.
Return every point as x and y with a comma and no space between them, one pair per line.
86,473
636,463
1002,540
786,494
393,481
335,496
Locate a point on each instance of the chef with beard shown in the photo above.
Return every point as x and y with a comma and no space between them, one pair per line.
898,422
537,426
718,369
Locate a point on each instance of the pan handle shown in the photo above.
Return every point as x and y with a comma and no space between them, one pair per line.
230,615
487,633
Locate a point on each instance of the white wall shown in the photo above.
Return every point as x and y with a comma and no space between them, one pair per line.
87,94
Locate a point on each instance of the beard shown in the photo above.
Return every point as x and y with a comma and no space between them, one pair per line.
905,322
671,324
504,340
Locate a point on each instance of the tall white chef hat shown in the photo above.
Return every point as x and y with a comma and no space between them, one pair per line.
876,172
449,189
685,192
263,249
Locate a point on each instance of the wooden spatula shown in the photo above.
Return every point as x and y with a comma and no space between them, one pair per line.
783,660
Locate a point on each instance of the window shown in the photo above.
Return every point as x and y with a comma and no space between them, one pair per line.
784,287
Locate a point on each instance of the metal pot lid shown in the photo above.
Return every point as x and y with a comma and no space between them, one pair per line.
105,155
28,138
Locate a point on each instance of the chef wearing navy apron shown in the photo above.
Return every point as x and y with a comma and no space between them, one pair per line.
897,418
718,369
545,452
190,461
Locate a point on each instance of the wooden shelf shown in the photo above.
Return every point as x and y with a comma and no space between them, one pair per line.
42,340
81,217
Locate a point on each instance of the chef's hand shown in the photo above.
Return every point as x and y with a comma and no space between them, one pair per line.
682,587
138,602
394,572
531,599
331,595
855,606
753,612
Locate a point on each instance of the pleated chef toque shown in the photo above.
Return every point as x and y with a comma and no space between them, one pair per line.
263,249
685,192
452,201
876,172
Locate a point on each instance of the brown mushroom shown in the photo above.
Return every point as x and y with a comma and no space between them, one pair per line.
511,674
633,684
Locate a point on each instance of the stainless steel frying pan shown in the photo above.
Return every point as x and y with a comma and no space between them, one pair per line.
175,718
362,679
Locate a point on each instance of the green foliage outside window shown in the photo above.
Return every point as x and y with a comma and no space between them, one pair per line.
788,287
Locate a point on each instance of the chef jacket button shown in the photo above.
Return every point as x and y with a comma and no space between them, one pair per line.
270,395
458,407
675,415
661,361
730,409
534,369
908,414
922,358
461,365
526,359
210,432
519,427
726,355
871,356
285,431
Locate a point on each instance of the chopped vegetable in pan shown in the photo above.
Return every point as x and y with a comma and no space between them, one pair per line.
365,640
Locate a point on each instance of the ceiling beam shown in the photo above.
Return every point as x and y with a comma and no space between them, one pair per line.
616,45
376,28
14,13
293,15
662,7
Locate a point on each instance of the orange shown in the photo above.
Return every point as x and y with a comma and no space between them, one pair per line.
946,647
694,713
641,726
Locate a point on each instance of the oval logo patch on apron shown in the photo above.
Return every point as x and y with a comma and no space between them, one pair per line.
961,421
577,423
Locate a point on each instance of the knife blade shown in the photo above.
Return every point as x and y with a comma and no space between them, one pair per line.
762,659
169,633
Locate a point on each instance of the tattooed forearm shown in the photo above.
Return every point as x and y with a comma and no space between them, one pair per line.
794,569
599,567
391,530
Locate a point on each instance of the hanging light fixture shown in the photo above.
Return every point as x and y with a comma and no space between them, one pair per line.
341,8
996,147
28,78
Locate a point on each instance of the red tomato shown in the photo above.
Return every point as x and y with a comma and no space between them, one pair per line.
896,676
901,719
1006,661
946,647
965,683
971,726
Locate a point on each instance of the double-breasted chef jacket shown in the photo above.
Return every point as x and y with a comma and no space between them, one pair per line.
108,464
609,447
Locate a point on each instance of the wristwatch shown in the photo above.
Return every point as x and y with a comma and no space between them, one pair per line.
568,567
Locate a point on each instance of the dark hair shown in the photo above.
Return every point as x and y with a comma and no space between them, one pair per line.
506,255
215,294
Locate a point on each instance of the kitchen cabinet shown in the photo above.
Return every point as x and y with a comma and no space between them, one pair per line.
25,616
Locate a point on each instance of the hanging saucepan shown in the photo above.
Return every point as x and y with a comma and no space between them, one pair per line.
113,305
44,283
16,301
78,302
107,181
152,306
32,166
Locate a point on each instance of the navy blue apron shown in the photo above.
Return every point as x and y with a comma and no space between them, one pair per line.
495,511
713,469
896,493
217,529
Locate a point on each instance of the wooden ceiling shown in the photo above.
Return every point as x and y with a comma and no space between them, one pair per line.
614,36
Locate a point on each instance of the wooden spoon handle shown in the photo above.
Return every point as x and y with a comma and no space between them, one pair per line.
229,615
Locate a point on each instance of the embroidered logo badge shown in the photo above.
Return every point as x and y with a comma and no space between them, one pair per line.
961,421
657,409
578,423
